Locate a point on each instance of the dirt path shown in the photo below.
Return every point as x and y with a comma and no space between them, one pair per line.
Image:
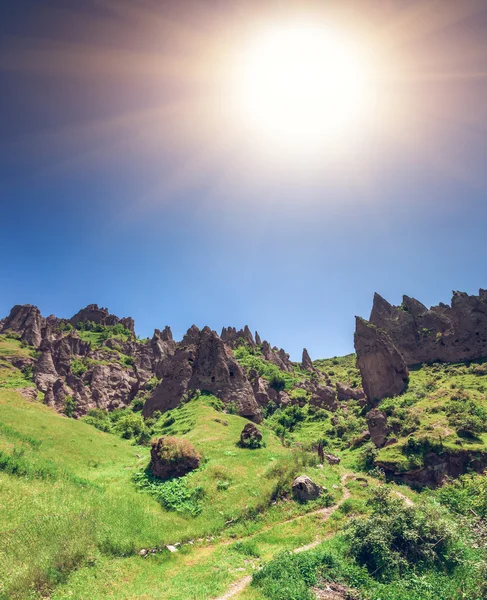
407,501
241,584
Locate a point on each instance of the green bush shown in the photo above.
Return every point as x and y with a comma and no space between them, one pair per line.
174,494
395,538
69,406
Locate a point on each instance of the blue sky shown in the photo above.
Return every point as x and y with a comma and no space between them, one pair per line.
103,200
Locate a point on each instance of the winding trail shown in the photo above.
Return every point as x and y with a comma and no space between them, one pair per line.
241,584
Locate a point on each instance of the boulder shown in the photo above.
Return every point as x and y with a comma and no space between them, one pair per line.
173,457
332,459
250,437
378,429
305,489
383,370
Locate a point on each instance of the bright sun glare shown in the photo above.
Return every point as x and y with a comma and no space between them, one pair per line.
303,84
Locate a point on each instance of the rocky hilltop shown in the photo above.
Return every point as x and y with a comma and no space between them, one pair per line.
399,336
94,360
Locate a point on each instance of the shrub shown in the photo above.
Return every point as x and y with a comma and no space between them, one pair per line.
130,425
174,494
69,406
78,367
277,382
396,537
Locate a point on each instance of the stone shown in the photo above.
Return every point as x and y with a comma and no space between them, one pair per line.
250,437
305,489
173,457
29,393
378,429
235,338
332,459
382,368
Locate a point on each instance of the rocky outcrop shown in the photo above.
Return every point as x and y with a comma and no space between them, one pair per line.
383,370
377,425
306,362
26,321
305,489
100,316
441,333
203,362
437,467
234,338
280,358
345,392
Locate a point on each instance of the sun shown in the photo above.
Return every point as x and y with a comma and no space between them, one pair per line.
302,84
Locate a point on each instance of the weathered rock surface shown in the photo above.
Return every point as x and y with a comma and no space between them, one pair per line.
441,333
26,321
383,370
332,459
377,425
203,362
305,489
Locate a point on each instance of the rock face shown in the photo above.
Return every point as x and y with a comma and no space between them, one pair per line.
173,457
378,429
203,362
441,333
383,370
26,321
278,357
250,437
305,489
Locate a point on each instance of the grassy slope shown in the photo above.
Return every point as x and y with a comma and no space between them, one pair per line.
74,519
72,502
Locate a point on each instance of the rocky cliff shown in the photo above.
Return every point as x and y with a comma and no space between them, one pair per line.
448,333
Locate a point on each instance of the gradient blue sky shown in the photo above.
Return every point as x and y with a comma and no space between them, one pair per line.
117,188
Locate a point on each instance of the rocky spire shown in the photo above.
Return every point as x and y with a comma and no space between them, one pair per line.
258,341
306,362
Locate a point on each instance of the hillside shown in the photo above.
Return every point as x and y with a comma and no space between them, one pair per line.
83,516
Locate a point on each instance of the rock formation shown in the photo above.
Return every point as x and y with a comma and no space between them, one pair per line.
234,338
26,321
203,362
306,362
442,333
100,316
383,370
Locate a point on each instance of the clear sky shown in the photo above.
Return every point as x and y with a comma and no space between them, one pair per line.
127,178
